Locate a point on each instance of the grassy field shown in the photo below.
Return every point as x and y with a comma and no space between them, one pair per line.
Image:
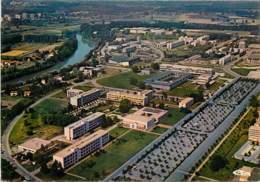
159,130
121,80
116,132
184,90
34,121
14,53
215,86
231,145
174,115
242,71
98,167
41,130
84,87
60,95
50,105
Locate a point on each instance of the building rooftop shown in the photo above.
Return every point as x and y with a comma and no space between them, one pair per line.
131,92
34,144
85,120
80,143
145,114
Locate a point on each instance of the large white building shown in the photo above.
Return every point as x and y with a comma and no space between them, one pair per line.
144,119
81,127
85,97
82,148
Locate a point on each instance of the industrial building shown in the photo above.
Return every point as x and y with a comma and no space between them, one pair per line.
135,97
144,119
82,148
83,126
167,80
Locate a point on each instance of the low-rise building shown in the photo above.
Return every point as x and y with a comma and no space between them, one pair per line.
85,97
82,148
81,127
167,80
33,145
254,57
186,103
14,93
135,97
144,119
123,60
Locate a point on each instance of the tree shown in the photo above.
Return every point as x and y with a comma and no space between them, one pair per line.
125,106
155,66
161,105
56,169
218,162
135,69
141,85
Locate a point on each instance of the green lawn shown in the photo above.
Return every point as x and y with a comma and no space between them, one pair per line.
98,167
41,130
116,132
34,121
122,80
60,95
83,87
174,115
242,71
50,105
184,90
215,86
159,130
231,145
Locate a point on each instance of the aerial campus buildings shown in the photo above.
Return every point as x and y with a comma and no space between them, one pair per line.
167,80
81,127
80,149
136,97
190,138
79,98
144,119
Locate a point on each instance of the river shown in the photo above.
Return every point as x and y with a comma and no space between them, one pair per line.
84,47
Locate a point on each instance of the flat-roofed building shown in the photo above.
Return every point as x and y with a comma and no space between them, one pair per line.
254,133
85,97
135,97
82,148
167,80
186,103
144,119
177,43
81,127
187,69
72,92
254,57
224,60
33,145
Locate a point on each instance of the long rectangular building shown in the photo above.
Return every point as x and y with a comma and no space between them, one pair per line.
85,97
82,148
135,97
187,69
81,127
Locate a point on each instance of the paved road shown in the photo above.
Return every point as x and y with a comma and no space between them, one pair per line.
7,153
228,68
6,146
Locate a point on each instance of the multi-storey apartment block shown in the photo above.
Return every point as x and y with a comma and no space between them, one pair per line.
82,148
81,127
135,97
85,97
